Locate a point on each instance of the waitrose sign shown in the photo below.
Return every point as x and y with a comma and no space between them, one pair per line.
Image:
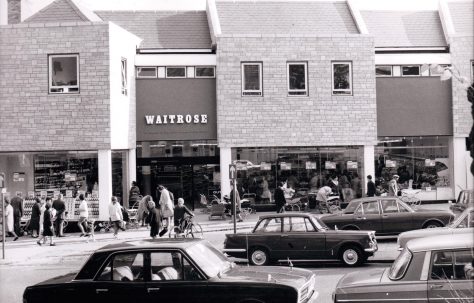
176,119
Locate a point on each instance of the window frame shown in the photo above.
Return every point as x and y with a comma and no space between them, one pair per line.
379,210
342,92
258,93
410,65
181,67
147,77
124,76
384,76
50,75
290,90
204,77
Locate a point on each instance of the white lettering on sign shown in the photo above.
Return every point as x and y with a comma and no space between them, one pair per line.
175,119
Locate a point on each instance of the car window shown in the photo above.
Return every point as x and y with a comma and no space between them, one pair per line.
297,224
171,265
402,207
389,206
123,267
269,225
452,265
371,208
358,211
350,209
400,265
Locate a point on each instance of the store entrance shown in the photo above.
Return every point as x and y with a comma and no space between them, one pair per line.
185,177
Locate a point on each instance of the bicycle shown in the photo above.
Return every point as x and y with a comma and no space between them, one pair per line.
187,229
410,198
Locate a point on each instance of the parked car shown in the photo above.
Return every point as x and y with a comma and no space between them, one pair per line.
464,223
465,200
299,236
172,270
431,269
387,216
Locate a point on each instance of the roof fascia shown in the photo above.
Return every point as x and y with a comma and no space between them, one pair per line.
357,16
213,21
446,20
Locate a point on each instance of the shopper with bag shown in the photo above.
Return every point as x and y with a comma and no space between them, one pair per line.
115,216
166,205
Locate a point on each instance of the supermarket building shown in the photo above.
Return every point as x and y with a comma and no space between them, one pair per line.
173,97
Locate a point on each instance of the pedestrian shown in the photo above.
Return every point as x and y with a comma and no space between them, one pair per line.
9,219
370,187
393,186
180,212
322,198
42,209
142,211
17,205
166,206
115,216
356,185
134,194
237,204
60,208
279,197
34,225
83,216
153,218
48,229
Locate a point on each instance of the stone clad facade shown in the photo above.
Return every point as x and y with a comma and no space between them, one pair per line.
31,118
319,119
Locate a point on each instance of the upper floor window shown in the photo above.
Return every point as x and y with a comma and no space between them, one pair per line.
64,73
124,76
342,78
383,71
297,79
411,70
252,79
204,72
146,72
176,72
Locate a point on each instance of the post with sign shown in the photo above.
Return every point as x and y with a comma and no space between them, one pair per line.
2,211
233,177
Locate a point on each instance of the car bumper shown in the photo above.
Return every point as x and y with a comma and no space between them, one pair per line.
373,247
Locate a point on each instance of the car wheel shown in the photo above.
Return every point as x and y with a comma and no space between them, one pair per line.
259,256
352,256
432,224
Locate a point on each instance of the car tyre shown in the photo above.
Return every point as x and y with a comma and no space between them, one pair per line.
432,224
352,255
259,256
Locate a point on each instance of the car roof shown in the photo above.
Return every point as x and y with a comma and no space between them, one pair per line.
180,243
288,214
441,242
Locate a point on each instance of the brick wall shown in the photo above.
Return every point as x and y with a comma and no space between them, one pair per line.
278,120
462,53
30,118
14,11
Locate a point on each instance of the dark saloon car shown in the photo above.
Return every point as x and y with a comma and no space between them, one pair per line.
387,216
299,236
464,223
432,269
173,270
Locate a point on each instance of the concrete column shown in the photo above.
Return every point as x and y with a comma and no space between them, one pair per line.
105,183
132,165
460,174
369,166
225,161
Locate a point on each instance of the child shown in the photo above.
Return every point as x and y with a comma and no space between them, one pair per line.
48,230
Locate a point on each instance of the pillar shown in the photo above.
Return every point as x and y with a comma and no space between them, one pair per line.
225,161
461,177
369,166
105,183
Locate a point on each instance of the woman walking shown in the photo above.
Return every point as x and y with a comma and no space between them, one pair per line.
48,230
34,225
154,219
142,212
166,206
9,220
83,215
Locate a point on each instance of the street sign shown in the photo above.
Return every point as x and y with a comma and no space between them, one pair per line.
232,172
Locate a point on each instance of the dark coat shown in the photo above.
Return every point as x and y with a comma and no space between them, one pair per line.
371,189
17,204
47,223
279,198
35,217
60,208
154,219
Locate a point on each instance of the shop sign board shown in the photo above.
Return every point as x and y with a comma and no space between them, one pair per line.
265,166
352,165
390,163
430,163
18,177
310,165
232,172
330,165
285,166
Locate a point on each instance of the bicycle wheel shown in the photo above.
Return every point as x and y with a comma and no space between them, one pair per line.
295,207
194,231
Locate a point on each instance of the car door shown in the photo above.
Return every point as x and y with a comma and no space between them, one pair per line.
174,279
268,233
395,217
121,280
369,218
451,277
301,240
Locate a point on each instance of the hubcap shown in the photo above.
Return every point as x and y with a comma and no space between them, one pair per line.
432,226
259,257
350,256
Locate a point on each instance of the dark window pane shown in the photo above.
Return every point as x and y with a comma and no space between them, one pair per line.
252,77
64,71
204,72
383,71
176,72
296,74
410,70
341,76
146,72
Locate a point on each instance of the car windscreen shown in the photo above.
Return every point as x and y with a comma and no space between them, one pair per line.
400,265
350,209
318,223
209,259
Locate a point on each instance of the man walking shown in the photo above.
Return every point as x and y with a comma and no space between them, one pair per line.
280,200
115,216
370,186
60,208
17,205
393,186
